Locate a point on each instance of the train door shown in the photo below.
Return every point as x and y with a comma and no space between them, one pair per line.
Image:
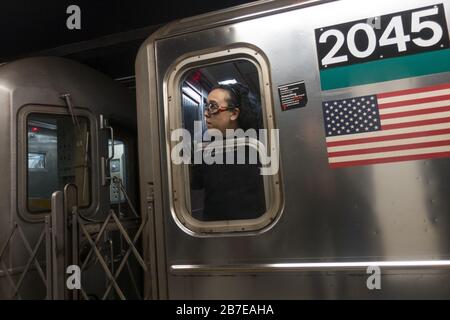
77,205
198,231
231,202
56,147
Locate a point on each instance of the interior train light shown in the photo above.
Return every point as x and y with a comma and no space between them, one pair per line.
230,81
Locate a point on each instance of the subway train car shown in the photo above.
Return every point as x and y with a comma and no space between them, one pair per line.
68,182
354,97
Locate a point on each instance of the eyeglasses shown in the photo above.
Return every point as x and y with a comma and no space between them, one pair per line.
212,108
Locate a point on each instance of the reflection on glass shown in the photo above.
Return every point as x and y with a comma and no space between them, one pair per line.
36,160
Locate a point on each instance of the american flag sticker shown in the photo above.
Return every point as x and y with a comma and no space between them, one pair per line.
405,125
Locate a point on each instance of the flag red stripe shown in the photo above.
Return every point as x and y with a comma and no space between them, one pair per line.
414,112
413,101
391,159
389,137
412,91
414,123
390,148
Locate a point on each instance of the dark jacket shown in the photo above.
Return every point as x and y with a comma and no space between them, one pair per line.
231,191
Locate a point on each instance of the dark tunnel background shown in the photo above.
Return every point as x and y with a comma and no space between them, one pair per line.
110,35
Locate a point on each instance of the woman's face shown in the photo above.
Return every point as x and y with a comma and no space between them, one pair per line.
224,119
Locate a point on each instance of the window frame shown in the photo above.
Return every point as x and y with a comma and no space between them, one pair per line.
177,187
22,158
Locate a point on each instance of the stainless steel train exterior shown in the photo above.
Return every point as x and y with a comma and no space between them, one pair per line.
52,139
348,214
331,220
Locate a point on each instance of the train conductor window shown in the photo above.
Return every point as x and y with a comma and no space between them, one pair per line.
219,185
118,167
58,153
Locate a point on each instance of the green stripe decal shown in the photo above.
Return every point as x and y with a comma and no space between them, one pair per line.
386,70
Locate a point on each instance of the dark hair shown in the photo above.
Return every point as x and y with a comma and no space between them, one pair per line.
249,106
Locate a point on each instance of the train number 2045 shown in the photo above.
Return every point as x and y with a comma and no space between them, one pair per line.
401,33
